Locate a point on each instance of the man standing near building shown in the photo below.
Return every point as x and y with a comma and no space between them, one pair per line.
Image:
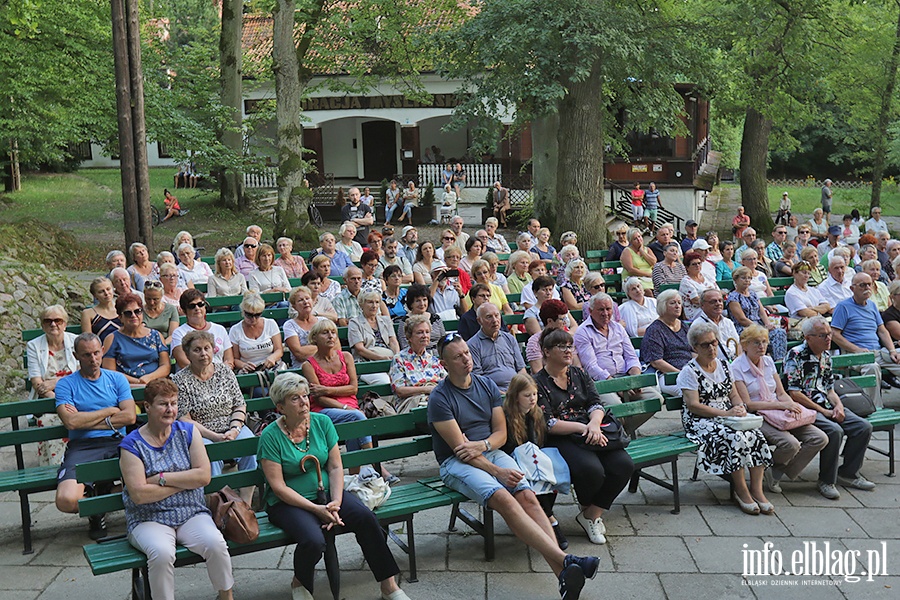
95,405
360,214
465,414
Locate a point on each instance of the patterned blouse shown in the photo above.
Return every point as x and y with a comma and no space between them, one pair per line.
578,290
807,373
209,402
413,370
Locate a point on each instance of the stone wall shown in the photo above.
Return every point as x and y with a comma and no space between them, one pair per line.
27,286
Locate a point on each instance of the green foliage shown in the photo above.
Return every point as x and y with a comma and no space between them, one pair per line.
522,213
489,198
56,76
428,196
385,185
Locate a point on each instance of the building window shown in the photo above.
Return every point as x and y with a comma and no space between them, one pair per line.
81,151
162,149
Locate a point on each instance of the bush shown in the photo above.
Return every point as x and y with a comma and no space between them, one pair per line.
428,197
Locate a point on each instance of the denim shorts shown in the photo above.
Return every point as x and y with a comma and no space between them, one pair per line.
476,484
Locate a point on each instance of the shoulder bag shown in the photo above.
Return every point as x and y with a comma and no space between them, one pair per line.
785,420
233,517
854,397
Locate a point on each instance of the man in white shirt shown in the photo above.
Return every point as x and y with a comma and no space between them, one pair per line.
707,268
456,225
712,304
876,223
835,289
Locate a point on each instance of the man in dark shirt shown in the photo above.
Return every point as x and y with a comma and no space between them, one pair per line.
468,426
360,214
664,235
468,322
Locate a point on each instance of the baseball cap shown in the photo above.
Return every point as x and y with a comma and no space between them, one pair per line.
691,223
834,230
701,244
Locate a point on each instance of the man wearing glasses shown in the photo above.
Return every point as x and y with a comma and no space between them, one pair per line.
253,231
95,405
465,414
858,328
712,306
246,262
775,250
810,382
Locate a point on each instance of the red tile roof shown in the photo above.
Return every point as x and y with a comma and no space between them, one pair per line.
330,53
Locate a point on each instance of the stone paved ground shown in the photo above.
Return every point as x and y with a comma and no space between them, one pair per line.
651,553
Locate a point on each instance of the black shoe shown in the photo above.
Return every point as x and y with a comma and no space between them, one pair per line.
891,380
560,538
885,385
571,581
97,529
587,564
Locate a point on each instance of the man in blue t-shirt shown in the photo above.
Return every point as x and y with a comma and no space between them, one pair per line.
465,413
858,328
95,405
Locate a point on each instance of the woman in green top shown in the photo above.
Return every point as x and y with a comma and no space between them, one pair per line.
519,278
290,495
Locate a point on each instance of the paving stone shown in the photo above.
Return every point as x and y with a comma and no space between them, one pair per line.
19,594
25,577
879,523
719,554
79,582
808,495
680,586
630,555
805,522
467,554
11,551
658,521
267,559
886,495
729,520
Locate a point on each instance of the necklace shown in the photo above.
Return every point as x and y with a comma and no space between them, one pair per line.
291,437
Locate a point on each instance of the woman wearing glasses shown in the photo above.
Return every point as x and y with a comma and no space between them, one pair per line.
159,315
168,277
193,303
135,350
618,245
255,341
51,355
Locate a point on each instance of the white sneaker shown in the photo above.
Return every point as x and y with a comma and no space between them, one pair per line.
860,483
772,484
595,529
301,593
828,490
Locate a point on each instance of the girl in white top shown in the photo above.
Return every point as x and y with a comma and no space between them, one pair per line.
255,341
639,310
368,199
227,280
268,278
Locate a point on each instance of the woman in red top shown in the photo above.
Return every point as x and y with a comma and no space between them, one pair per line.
739,223
333,384
172,207
637,204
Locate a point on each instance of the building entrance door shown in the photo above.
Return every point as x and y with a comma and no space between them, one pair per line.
379,150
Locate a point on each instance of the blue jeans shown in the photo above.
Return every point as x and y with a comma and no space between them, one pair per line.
245,463
389,212
339,415
476,484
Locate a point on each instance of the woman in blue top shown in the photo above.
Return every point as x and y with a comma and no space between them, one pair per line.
393,295
165,468
290,494
135,350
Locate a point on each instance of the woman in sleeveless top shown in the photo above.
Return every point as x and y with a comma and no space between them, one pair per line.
333,384
102,318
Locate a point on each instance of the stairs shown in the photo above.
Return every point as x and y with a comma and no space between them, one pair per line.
706,175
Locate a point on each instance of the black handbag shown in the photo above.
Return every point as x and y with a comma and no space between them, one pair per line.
616,438
854,397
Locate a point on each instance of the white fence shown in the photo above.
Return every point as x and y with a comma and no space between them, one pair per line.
815,183
261,179
477,175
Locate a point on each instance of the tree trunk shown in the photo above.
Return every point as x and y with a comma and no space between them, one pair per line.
126,133
231,181
138,124
292,219
754,154
544,165
884,118
580,205
12,176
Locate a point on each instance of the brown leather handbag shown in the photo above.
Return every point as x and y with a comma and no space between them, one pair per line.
234,517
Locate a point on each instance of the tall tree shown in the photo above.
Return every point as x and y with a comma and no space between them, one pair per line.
775,55
231,180
583,60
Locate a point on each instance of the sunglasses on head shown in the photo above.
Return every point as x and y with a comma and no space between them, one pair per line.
153,284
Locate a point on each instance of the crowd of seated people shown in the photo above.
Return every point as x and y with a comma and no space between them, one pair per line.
697,309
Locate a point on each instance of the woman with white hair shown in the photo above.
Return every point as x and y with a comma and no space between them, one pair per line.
194,270
183,237
574,294
371,336
347,244
568,238
665,346
566,254
294,266
227,280
639,310
542,249
818,226
166,257
51,355
172,291
141,266
255,340
518,271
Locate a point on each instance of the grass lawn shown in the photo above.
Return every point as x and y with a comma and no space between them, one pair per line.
88,203
804,199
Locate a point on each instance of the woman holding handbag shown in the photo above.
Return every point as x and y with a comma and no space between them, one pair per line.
164,468
578,428
759,387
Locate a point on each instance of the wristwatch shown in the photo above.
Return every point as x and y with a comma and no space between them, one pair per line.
162,480
487,445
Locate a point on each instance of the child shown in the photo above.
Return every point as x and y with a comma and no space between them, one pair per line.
525,423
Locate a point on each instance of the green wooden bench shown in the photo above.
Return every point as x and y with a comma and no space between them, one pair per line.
28,480
648,451
116,554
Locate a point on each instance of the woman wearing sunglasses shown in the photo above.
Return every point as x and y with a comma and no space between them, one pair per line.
135,350
193,303
52,355
255,341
